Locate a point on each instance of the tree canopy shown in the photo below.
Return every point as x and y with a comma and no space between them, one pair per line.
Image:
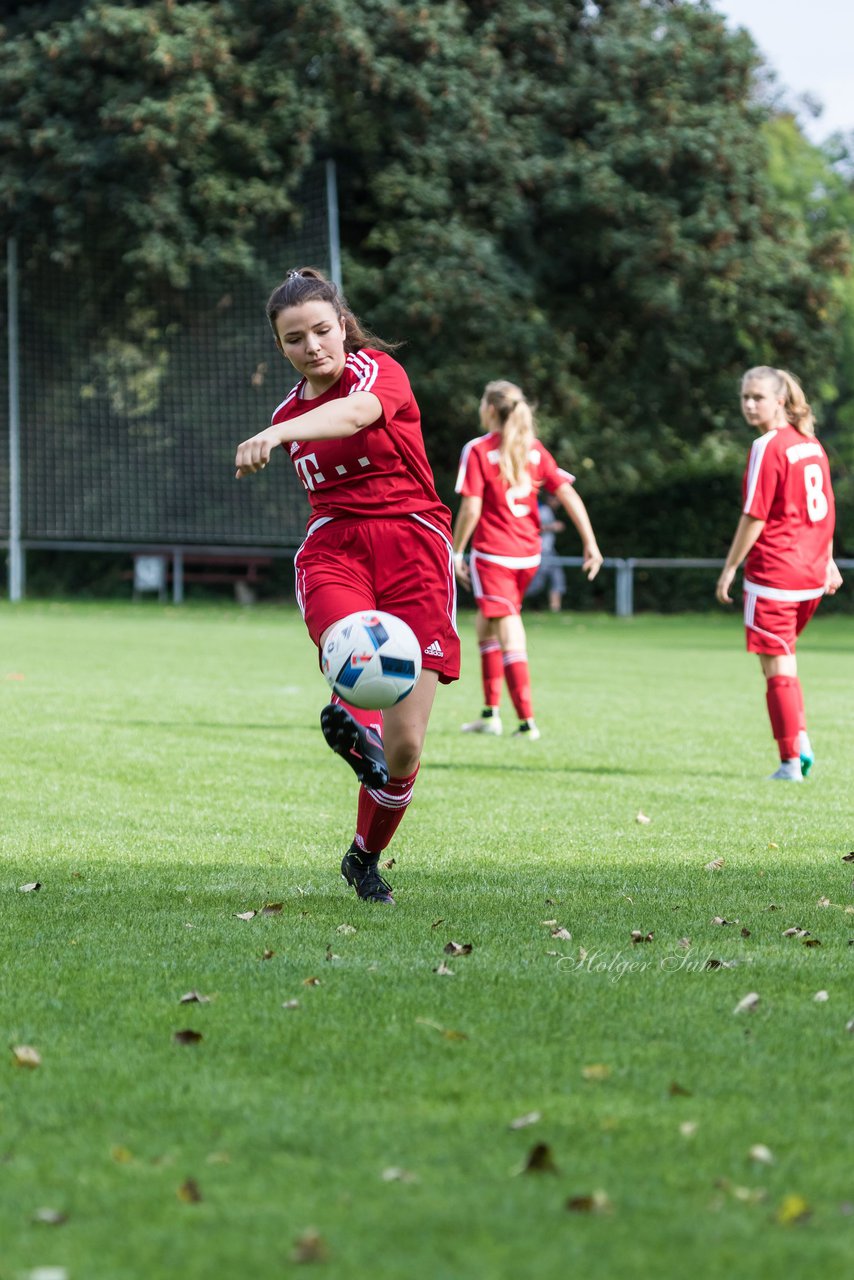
582,196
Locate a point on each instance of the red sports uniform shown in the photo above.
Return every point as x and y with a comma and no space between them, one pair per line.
378,536
506,541
786,484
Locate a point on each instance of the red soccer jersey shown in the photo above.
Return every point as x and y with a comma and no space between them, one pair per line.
787,484
382,470
509,525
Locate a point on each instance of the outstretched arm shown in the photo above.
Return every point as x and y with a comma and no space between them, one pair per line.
746,533
464,526
572,504
332,421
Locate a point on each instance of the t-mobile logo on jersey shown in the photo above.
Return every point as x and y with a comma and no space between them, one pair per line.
306,467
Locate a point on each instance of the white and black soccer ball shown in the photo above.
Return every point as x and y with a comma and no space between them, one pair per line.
371,659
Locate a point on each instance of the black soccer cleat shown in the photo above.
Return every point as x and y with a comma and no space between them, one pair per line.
362,748
361,871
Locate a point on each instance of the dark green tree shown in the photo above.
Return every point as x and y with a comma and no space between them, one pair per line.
572,194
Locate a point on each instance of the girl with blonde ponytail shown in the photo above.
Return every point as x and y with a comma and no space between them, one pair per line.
500,475
785,537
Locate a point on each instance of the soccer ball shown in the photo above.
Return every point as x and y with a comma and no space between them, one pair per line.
371,659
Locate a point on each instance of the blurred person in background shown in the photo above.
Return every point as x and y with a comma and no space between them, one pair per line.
500,476
785,538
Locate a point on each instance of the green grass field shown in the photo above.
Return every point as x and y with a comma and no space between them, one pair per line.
163,771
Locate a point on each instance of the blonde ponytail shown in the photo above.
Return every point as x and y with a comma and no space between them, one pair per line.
797,408
516,420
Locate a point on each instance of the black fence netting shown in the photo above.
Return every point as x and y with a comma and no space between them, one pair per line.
130,419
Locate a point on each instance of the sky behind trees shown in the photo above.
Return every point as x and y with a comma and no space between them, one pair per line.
809,43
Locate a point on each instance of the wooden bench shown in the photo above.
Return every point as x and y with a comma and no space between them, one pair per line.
155,571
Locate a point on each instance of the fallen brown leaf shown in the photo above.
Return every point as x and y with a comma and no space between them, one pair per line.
272,909
387,864
722,921
824,902
810,942
564,934
26,1056
310,1247
188,1192
821,997
311,982
50,1217
245,915
523,1122
796,932
597,1202
436,923
848,857
443,1031
267,955
188,1036
444,971
330,955
458,948
793,1209
761,1154
596,1071
121,1155
194,997
30,888
745,933
642,818
540,1160
748,1003
637,936
549,924
395,1174
676,1090
684,943
290,1004
715,865
346,928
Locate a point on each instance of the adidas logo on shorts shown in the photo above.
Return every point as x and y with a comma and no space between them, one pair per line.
434,650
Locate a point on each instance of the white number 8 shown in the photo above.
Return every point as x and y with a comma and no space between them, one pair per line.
817,505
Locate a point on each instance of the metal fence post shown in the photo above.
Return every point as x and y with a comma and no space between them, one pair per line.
332,222
16,553
177,576
624,602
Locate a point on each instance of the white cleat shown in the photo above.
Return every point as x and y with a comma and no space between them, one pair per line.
789,771
527,729
486,724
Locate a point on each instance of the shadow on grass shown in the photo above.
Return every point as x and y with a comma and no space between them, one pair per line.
478,766
278,727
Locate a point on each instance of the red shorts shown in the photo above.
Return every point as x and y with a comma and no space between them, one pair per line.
404,566
499,590
773,626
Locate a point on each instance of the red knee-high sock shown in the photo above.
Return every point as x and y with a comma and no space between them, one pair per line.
781,696
380,812
492,672
370,719
802,715
519,682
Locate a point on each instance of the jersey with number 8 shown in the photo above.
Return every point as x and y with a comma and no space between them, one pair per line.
787,484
